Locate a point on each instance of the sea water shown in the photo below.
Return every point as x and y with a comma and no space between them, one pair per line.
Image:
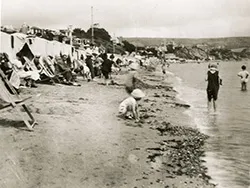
228,148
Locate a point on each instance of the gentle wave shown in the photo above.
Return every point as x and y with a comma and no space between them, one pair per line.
228,147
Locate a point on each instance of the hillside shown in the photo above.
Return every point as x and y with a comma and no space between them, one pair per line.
229,42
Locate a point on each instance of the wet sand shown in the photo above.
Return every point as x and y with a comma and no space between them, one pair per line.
80,142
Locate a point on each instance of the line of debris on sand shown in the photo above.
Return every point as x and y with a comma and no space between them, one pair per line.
178,156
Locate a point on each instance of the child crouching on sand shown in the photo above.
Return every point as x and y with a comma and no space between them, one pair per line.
129,107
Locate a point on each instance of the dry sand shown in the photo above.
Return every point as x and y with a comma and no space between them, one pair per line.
79,141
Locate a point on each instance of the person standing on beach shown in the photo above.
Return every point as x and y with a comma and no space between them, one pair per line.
213,85
106,68
243,77
112,63
131,78
89,63
163,68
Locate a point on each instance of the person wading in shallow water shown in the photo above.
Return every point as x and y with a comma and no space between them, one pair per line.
243,77
213,85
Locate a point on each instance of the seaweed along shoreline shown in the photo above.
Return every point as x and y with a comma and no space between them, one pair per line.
178,156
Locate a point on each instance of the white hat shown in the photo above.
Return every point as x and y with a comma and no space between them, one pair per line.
213,67
38,54
137,93
134,66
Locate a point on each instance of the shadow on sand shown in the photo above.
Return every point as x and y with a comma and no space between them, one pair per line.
10,123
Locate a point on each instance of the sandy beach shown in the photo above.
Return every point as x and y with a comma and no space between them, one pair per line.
80,142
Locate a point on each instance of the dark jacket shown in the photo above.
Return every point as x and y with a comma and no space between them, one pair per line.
107,65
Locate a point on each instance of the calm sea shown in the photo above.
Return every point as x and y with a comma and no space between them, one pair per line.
228,148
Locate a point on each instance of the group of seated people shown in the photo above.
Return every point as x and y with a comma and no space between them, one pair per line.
26,70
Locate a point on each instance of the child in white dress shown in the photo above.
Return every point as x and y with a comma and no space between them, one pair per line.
129,107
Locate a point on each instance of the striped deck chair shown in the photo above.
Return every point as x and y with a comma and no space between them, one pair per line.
43,69
14,101
30,64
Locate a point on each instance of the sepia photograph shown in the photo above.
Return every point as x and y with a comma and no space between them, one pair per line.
125,94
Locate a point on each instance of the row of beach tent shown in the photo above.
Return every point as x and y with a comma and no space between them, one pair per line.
13,43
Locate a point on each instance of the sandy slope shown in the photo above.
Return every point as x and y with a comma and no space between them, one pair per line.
80,143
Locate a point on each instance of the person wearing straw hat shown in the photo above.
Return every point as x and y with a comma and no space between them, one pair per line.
213,85
129,107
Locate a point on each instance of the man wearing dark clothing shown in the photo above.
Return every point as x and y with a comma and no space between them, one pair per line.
106,67
89,64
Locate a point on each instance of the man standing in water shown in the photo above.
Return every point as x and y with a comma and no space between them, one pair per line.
213,85
243,77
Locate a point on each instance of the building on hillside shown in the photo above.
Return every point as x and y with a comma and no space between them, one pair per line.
65,32
8,29
170,56
238,50
81,42
37,31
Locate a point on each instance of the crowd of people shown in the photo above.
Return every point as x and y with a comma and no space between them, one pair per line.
26,69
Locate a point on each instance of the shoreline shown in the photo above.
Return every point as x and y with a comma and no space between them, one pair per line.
182,144
180,151
80,142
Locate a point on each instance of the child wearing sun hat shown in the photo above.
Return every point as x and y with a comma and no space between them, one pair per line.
129,107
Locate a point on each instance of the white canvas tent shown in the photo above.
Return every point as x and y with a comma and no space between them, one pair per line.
38,46
13,43
5,43
50,48
18,43
66,49
57,47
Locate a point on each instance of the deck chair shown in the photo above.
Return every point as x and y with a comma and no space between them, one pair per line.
47,71
30,64
43,69
14,101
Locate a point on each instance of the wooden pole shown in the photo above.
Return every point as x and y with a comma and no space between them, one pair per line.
114,44
92,27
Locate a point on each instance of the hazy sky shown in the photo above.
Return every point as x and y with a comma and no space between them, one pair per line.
138,18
